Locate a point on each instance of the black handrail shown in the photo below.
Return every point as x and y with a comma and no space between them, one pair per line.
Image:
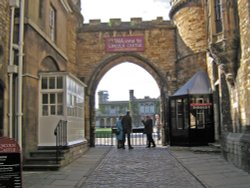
61,137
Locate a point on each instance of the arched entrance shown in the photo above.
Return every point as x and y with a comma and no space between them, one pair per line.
104,67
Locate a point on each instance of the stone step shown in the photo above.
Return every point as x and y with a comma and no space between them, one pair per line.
41,167
43,160
206,149
215,145
46,153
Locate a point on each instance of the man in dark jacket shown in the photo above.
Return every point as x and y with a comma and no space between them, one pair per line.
148,130
127,128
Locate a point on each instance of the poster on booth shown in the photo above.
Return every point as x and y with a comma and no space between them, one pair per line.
10,164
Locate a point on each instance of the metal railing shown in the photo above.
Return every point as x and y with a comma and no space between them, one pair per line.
61,137
137,138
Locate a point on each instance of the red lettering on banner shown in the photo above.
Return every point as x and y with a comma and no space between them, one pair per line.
124,44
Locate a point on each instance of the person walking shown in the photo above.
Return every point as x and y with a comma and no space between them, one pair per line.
158,126
127,128
119,133
148,129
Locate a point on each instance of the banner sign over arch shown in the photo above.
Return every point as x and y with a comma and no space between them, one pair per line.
124,44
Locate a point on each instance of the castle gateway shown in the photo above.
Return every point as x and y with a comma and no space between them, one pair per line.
149,44
51,72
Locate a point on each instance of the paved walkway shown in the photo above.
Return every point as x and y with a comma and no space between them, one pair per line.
173,167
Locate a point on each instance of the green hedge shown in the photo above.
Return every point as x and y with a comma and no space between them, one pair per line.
103,133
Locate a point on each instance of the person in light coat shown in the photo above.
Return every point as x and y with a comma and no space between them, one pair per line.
119,133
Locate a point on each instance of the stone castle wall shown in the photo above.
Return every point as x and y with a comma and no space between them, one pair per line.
4,58
236,143
229,70
159,50
191,43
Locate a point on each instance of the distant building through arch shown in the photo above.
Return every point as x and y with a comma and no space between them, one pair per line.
108,111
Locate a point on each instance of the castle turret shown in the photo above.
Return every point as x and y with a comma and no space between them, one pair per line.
191,37
189,17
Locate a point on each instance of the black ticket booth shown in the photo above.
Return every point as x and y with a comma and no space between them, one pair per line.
191,113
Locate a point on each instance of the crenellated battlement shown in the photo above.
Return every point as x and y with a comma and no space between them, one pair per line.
134,23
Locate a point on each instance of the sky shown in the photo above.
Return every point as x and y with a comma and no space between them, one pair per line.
128,76
117,81
124,9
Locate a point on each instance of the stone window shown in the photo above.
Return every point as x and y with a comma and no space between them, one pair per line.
61,98
55,89
218,16
52,95
52,23
41,8
147,108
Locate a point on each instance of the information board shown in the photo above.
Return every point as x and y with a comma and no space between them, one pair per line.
10,164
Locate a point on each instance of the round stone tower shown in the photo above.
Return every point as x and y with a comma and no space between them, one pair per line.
191,37
189,18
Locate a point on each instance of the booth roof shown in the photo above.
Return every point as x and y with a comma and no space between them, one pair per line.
198,84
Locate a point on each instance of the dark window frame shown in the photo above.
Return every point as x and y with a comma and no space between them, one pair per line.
218,16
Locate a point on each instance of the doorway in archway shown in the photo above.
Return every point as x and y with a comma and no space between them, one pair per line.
125,87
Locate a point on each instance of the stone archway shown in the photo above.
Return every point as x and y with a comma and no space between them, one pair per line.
49,64
103,68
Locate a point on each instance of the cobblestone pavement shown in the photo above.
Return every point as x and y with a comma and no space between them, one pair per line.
140,168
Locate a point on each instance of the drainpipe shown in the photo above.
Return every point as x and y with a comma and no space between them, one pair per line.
12,69
20,72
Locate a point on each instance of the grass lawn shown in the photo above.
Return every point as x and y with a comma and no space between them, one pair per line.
103,132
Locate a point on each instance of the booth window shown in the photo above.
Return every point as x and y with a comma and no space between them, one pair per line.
179,113
200,110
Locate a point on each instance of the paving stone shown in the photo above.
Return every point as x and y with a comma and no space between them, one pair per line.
161,167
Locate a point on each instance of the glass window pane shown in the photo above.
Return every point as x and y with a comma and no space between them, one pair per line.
52,98
53,110
59,82
44,83
200,119
68,99
192,119
179,114
52,82
45,110
173,114
59,109
185,108
45,99
59,98
75,101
